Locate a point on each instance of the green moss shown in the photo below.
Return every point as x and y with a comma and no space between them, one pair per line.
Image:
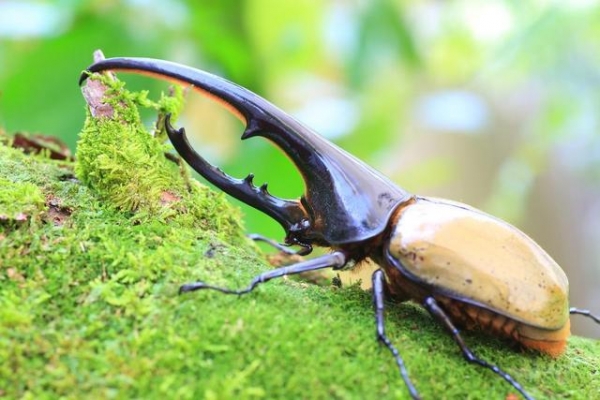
127,167
19,200
89,305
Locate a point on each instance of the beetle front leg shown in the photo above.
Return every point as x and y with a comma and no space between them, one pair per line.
378,279
334,260
437,312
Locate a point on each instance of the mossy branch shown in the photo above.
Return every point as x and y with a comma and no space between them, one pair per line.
90,264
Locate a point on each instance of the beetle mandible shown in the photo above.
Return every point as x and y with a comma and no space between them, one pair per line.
463,266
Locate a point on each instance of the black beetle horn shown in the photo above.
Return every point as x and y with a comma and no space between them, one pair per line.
345,200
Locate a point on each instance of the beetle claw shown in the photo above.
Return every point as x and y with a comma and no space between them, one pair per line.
191,287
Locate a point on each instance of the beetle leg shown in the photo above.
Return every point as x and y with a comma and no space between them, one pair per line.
378,279
436,311
306,249
585,313
334,260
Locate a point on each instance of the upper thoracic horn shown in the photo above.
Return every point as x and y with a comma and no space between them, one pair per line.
345,200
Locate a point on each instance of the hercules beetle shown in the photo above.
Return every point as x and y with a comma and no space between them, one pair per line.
465,267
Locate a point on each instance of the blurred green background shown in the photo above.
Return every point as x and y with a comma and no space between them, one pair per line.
491,103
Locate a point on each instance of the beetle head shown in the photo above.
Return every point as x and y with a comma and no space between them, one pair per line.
345,200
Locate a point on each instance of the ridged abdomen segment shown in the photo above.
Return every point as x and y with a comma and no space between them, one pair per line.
552,342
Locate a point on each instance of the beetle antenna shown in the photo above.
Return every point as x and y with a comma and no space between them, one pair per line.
305,250
585,313
436,311
378,280
281,247
335,260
